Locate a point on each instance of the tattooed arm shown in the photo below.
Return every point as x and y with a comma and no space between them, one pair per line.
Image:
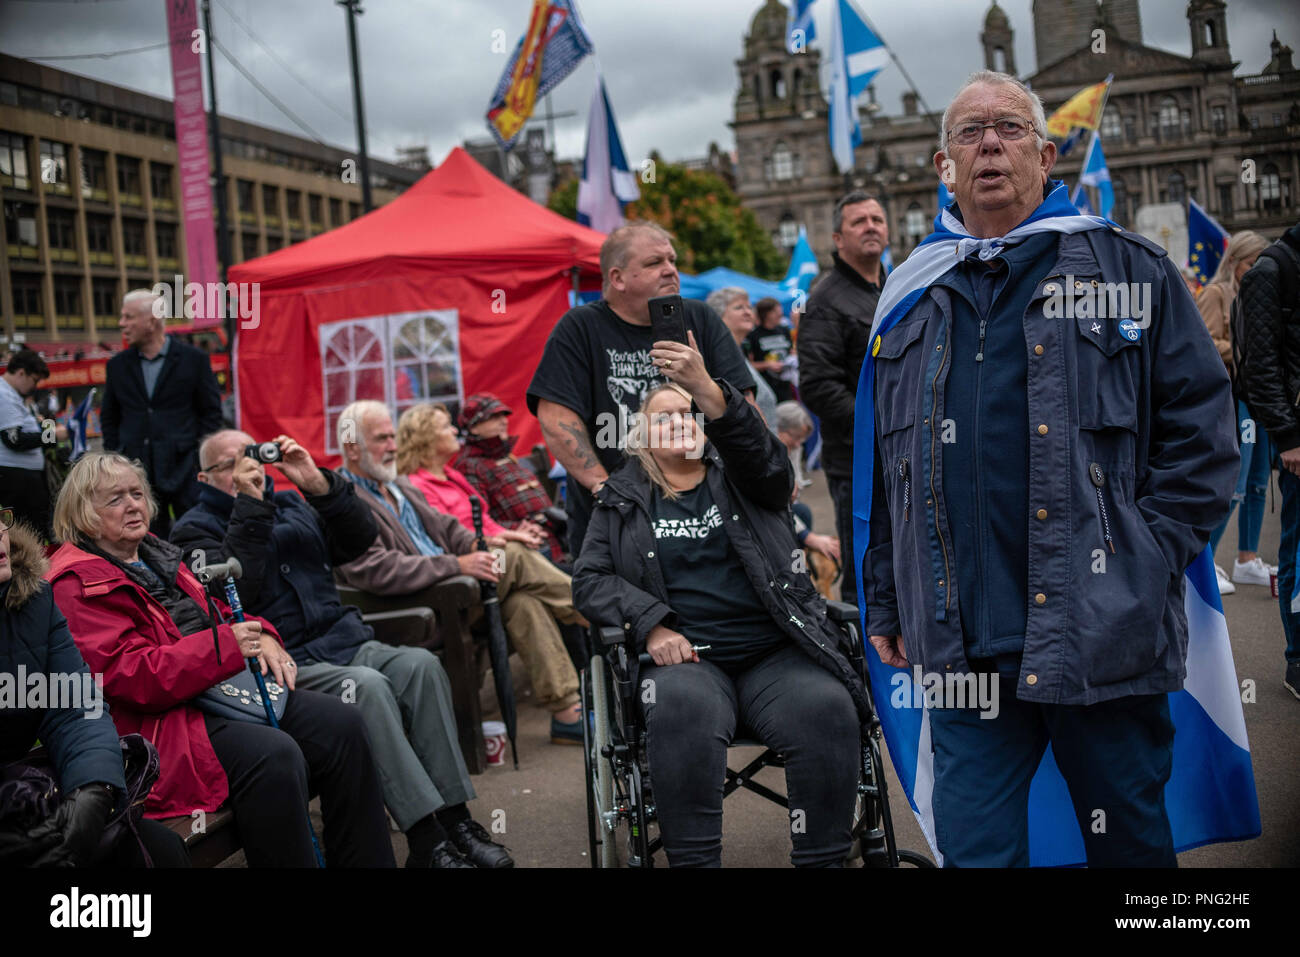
567,438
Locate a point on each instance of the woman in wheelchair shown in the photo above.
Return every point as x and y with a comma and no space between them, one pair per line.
691,544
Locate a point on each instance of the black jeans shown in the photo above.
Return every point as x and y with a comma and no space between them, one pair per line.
841,490
165,847
321,743
788,702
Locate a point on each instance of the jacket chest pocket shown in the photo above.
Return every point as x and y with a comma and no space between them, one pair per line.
1108,378
899,362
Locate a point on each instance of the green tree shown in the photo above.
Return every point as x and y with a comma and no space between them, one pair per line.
704,215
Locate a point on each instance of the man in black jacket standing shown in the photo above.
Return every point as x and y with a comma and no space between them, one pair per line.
160,396
288,545
833,338
1269,374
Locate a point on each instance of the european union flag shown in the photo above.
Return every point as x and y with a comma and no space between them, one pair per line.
1206,241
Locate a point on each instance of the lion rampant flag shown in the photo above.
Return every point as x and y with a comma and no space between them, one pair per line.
1083,109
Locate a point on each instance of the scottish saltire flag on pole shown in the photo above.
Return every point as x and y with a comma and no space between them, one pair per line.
800,29
77,425
1211,792
1206,242
607,184
803,265
1081,202
857,55
552,46
1095,173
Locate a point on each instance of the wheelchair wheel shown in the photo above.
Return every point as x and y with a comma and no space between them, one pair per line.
601,841
873,825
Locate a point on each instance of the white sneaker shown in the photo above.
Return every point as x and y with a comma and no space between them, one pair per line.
1226,587
1253,572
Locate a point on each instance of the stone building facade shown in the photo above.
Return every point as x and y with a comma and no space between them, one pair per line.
1175,127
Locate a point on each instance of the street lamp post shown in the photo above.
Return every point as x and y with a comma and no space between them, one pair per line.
363,159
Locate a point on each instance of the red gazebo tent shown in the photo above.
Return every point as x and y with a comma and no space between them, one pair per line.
450,289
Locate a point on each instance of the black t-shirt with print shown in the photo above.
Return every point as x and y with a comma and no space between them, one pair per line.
599,365
708,590
764,344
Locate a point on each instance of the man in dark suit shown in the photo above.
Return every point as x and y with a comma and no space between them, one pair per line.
160,397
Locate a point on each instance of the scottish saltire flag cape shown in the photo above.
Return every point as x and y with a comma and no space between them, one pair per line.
803,266
77,424
857,55
607,184
1206,242
1095,174
1211,792
801,20
552,46
946,198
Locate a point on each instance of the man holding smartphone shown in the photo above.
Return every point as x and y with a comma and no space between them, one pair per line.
597,368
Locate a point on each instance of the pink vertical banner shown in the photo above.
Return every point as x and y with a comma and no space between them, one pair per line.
192,147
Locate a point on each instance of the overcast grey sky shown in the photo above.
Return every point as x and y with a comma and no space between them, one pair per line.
428,68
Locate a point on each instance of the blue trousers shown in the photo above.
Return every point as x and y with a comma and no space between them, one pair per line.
1286,563
1252,490
1115,756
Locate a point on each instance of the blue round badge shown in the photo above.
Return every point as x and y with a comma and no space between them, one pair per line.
1130,330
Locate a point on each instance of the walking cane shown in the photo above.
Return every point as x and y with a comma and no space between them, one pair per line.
231,570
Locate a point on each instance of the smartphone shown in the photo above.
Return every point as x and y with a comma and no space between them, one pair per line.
668,319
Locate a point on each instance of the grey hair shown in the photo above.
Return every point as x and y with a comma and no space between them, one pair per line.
350,419
1038,117
616,248
143,295
720,299
792,417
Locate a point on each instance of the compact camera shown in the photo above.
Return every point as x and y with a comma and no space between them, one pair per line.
264,452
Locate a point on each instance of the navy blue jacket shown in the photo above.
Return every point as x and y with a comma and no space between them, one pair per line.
82,742
1132,461
288,546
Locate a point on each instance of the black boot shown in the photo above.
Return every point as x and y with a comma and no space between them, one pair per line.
475,845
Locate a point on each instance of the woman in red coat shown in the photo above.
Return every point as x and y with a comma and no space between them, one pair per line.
141,618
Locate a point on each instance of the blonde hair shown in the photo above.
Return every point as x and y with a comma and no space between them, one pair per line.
637,445
75,516
415,435
1241,246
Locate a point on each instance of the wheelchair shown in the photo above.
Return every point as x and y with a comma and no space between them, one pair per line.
620,802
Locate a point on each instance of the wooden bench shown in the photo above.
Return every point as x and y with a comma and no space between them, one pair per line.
217,840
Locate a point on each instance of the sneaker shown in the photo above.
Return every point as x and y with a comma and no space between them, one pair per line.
562,733
1226,587
447,855
1253,572
1292,680
476,847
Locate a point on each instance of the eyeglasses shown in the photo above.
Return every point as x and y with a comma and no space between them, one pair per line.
6,518
1008,129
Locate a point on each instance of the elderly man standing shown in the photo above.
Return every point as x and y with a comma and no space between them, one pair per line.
419,546
833,341
160,397
1038,477
287,544
596,369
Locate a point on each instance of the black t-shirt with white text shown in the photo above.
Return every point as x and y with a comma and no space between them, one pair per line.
708,590
764,345
599,365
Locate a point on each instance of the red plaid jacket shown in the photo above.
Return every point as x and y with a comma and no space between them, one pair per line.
512,491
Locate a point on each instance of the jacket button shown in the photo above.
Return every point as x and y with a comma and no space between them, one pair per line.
1038,350
1041,513
1040,598
940,582
1031,679
1042,430
929,501
1050,290
649,554
284,569
938,348
627,626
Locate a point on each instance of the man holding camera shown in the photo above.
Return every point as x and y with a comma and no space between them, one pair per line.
288,545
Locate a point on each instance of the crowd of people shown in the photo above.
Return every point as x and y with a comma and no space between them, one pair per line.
995,452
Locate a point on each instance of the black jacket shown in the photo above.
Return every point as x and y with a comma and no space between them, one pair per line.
833,338
162,431
618,582
34,636
1269,364
288,547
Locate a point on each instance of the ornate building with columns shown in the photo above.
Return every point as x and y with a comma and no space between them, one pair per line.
1175,127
